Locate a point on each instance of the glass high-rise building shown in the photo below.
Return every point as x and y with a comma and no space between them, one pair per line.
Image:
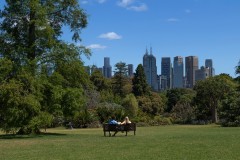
191,65
150,69
130,70
166,70
209,64
178,72
107,68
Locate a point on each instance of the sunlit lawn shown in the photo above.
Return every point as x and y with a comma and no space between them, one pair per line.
153,143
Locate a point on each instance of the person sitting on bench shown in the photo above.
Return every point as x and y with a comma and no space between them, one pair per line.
126,121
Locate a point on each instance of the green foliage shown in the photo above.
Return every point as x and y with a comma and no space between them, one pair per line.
131,105
6,67
210,93
18,106
99,81
139,82
42,78
230,110
120,84
106,110
151,104
160,120
177,94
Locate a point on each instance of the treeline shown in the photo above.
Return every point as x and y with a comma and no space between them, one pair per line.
43,82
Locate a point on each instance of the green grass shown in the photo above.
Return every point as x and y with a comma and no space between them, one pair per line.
153,143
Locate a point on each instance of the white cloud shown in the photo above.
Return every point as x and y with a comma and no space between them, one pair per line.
125,3
110,36
101,1
132,5
142,7
84,2
173,20
96,46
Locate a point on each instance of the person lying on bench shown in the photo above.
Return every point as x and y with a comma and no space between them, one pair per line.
126,121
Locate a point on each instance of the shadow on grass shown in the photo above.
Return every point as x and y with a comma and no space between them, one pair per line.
16,136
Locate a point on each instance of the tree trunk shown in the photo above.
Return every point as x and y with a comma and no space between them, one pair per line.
32,37
214,114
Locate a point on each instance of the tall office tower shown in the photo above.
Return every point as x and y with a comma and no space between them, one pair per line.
191,65
107,68
163,82
130,70
178,72
202,73
209,64
166,70
150,69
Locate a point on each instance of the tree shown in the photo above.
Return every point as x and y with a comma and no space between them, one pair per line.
119,81
230,110
99,81
30,29
183,111
152,104
139,82
238,68
131,105
238,73
211,92
31,45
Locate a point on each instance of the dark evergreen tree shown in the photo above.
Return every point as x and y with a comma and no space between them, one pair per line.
139,82
120,79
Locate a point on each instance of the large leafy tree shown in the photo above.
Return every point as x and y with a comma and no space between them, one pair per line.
35,57
30,28
211,92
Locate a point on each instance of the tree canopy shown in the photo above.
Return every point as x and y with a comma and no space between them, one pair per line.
43,76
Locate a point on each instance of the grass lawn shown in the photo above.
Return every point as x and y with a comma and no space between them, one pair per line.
150,143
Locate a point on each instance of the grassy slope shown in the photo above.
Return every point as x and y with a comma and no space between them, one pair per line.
169,142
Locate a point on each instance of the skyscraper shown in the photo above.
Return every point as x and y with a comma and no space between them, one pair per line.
130,70
150,69
107,68
178,72
166,70
191,65
202,73
209,64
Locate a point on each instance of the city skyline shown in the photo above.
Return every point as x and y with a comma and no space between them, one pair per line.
122,29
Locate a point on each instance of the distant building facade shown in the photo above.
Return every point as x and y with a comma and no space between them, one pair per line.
107,68
202,73
191,65
209,64
150,69
178,72
166,70
130,70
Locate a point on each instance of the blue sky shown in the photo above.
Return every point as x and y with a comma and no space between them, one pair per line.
122,29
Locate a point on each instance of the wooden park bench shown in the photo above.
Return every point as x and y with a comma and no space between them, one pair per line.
119,128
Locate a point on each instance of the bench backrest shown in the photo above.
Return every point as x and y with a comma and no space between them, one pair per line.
116,127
